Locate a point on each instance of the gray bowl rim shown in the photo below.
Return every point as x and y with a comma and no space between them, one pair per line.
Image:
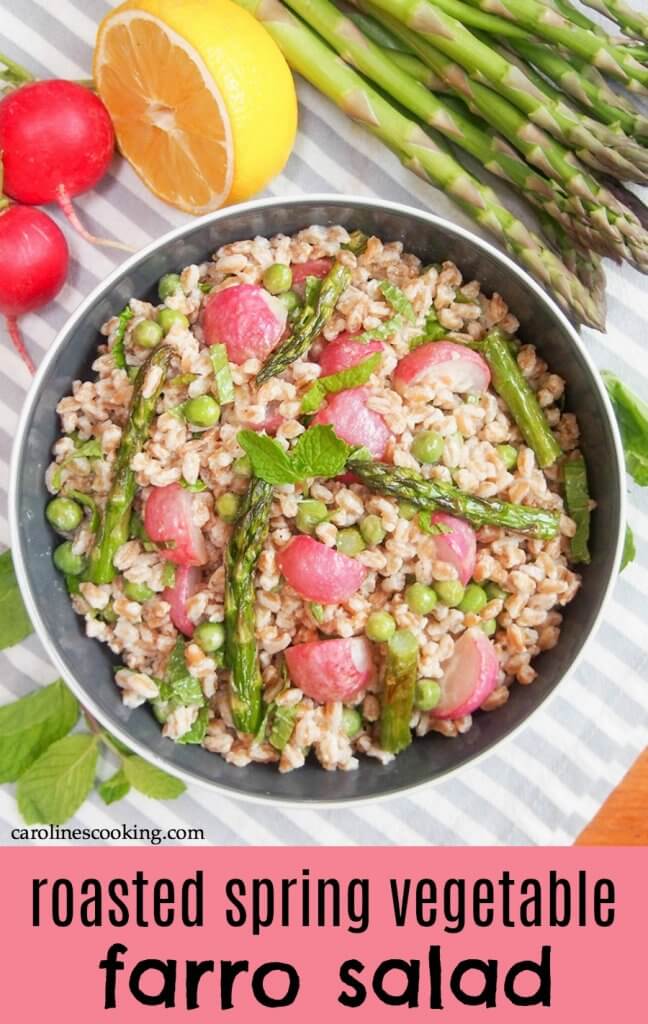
20,556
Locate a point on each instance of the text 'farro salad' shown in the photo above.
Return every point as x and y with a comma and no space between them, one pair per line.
318,499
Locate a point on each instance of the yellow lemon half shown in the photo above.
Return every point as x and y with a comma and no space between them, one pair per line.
202,100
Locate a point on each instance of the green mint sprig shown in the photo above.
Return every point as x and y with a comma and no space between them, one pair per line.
318,452
14,621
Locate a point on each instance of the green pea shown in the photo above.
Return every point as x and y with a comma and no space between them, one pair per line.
278,278
474,599
420,599
139,592
168,285
203,411
380,627
349,541
310,513
508,454
64,514
372,530
489,627
494,592
67,561
242,466
290,300
351,722
210,636
427,446
167,318
449,592
427,694
227,506
407,510
147,334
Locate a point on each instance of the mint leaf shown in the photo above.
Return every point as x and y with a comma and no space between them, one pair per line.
115,788
90,449
197,732
118,351
30,725
319,452
385,331
179,688
222,374
151,781
14,621
56,785
352,377
632,416
629,549
398,300
269,460
433,331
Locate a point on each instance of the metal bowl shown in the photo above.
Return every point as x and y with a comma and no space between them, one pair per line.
88,666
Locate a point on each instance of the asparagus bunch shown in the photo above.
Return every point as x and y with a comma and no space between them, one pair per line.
629,20
241,657
114,528
309,324
421,152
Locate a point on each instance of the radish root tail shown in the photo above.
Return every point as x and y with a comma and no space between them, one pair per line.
66,205
19,344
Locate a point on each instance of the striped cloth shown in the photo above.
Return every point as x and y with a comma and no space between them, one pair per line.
542,786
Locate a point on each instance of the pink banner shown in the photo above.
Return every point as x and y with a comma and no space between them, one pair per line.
323,934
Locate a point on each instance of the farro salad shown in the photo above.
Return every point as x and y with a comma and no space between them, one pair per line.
320,499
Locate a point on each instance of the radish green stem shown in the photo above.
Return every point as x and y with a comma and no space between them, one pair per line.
19,344
66,205
14,74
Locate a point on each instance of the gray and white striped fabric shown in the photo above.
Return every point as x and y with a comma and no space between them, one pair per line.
540,787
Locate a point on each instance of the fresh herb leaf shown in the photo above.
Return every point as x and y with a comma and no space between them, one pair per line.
269,460
319,452
427,526
632,416
90,449
577,500
352,377
317,611
115,788
168,574
118,349
222,374
89,503
151,781
56,784
312,289
179,688
196,488
398,300
357,243
282,725
205,287
197,732
629,549
14,621
432,331
30,725
384,331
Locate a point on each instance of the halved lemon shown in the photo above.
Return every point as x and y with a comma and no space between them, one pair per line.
202,100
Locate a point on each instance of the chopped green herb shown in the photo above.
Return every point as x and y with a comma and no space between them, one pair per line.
90,449
352,377
222,374
383,332
317,611
197,732
357,243
179,688
196,488
282,725
577,500
118,348
398,300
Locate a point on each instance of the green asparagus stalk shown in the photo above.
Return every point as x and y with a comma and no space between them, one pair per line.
310,324
241,656
602,212
408,485
117,350
629,20
114,528
595,48
587,266
399,687
576,17
417,150
577,500
416,69
510,384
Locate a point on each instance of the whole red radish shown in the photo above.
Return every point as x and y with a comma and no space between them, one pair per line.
33,266
57,141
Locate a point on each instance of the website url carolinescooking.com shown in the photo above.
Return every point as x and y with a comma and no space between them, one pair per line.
116,833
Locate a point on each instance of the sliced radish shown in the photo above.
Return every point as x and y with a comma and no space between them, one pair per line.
469,677
246,319
328,670
168,518
458,547
344,352
454,366
271,421
354,422
311,268
319,573
187,582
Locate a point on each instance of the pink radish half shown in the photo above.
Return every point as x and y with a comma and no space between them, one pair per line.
246,319
329,670
187,582
352,420
458,547
344,352
470,675
454,366
168,517
311,268
319,573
